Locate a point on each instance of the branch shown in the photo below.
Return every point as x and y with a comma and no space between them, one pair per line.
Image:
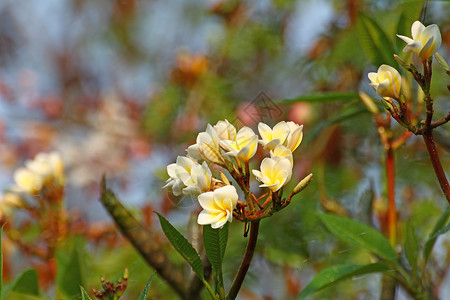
142,240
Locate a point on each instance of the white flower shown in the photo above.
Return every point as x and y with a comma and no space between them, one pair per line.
225,131
275,173
27,181
187,176
272,138
49,166
179,173
386,82
295,136
283,152
218,206
199,181
207,147
245,145
425,40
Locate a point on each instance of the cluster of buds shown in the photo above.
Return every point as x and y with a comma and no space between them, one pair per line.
112,290
222,145
387,81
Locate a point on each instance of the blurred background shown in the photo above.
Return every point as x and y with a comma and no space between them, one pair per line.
122,87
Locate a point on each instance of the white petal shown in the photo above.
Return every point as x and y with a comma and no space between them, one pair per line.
267,166
416,30
264,131
373,77
206,201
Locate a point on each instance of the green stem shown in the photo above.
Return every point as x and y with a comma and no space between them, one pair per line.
208,287
246,260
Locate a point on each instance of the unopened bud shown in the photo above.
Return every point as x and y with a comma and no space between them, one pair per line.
210,154
442,62
402,63
371,106
302,184
224,178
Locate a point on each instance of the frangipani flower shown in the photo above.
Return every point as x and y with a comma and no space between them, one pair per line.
425,40
188,176
273,137
218,206
275,173
386,82
27,181
295,136
49,166
225,130
207,147
283,152
245,145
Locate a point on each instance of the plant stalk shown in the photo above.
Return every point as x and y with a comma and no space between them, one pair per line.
392,212
435,161
246,260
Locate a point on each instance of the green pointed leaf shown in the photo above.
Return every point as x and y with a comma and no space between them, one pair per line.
84,294
361,235
374,41
182,246
323,98
335,274
26,283
411,247
434,234
215,242
70,275
144,293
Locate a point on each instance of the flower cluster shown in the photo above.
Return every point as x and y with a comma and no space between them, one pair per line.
44,169
224,146
424,43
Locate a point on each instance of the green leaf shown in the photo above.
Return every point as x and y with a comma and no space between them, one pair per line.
322,98
434,234
26,283
411,247
70,277
215,242
84,294
361,235
144,293
374,41
182,246
335,274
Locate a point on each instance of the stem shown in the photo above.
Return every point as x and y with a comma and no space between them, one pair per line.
246,260
435,161
392,212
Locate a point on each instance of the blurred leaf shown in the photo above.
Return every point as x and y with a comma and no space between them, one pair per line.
26,283
434,234
70,277
411,247
361,235
335,274
144,293
182,246
377,46
323,98
341,116
84,294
